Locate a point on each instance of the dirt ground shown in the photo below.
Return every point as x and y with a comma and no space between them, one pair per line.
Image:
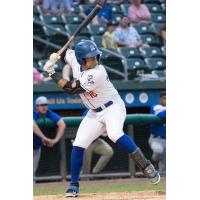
111,196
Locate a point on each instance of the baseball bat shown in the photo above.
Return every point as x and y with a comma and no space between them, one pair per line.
86,21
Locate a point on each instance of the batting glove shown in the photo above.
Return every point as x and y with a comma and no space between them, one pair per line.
54,57
49,67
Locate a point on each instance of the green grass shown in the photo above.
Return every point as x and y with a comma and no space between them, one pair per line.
102,189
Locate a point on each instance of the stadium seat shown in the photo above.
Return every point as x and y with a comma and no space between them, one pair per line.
153,1
54,36
124,8
130,52
116,9
163,6
156,27
79,38
97,39
58,66
71,28
155,63
97,29
163,48
136,66
154,8
75,9
152,40
72,19
116,18
143,28
83,7
38,29
152,52
35,65
160,73
158,18
51,19
35,11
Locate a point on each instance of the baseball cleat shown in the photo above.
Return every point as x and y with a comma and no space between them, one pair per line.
72,191
152,174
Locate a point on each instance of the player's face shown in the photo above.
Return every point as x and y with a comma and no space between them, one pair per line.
90,63
42,108
163,100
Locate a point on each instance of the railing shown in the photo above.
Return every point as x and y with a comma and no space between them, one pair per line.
131,120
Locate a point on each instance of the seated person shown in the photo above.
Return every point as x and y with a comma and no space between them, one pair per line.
139,13
127,36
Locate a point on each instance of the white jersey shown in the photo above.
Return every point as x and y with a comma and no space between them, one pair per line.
99,89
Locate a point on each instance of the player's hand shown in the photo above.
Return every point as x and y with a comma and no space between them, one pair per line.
49,67
54,57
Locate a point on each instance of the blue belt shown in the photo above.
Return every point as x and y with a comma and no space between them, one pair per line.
99,109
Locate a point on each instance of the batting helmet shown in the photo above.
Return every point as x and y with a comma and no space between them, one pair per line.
86,49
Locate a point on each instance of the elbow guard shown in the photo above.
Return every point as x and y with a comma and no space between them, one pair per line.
77,90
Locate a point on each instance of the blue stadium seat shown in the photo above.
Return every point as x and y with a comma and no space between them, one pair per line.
54,36
72,19
160,73
79,38
124,8
71,28
136,66
51,19
116,18
156,27
155,63
143,28
97,39
152,52
151,39
75,9
154,7
116,9
97,29
158,18
153,1
130,52
38,29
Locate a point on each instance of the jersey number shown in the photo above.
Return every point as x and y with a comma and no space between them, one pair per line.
92,94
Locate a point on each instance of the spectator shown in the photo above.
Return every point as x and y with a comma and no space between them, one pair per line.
55,6
157,140
127,36
42,112
86,12
163,34
139,13
103,17
102,148
38,77
107,39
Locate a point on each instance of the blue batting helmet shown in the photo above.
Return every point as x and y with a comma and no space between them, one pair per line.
86,49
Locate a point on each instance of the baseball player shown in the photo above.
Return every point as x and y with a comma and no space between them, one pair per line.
107,110
157,140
